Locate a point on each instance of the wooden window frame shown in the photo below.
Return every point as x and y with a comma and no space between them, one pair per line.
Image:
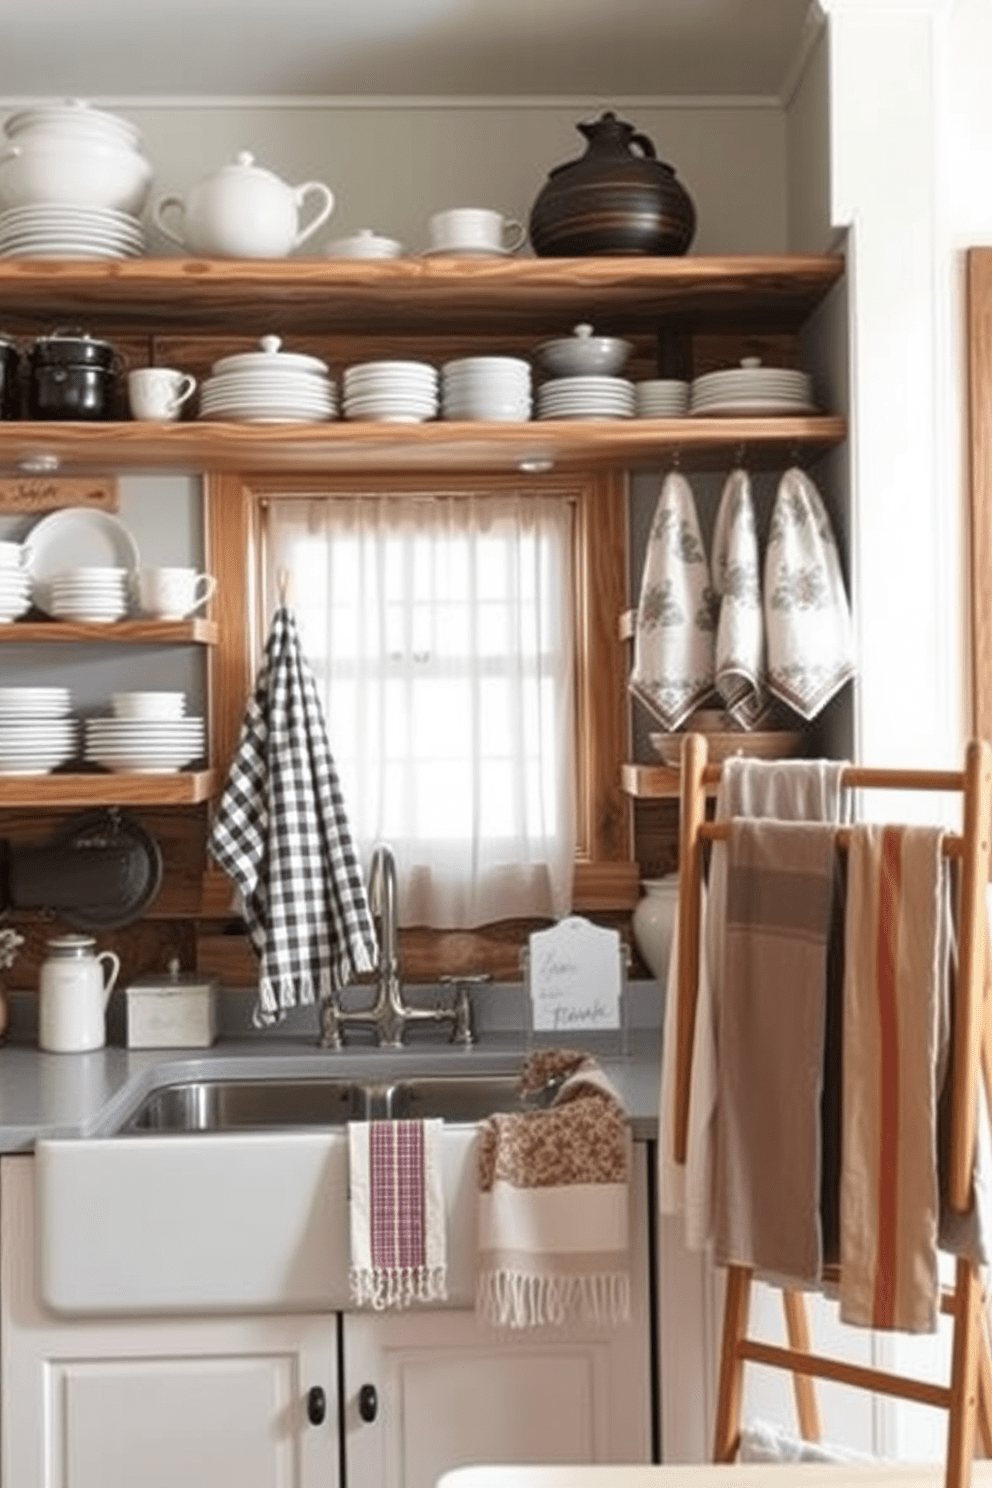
606,875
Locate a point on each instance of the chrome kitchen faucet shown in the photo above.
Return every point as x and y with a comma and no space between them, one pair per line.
389,1014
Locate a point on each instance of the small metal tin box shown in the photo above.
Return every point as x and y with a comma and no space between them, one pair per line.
174,1011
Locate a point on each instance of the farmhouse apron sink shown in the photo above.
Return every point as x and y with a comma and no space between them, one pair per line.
231,1194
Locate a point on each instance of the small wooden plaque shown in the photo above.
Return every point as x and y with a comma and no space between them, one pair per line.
37,494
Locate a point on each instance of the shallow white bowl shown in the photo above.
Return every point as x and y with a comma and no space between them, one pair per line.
148,704
583,354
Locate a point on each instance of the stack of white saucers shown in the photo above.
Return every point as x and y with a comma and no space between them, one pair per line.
144,746
497,388
15,582
661,397
586,397
752,389
54,230
269,387
391,392
95,595
36,732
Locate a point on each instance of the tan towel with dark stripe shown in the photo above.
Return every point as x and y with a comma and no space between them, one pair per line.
770,1048
892,991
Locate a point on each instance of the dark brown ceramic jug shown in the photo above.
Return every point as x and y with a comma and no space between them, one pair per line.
618,198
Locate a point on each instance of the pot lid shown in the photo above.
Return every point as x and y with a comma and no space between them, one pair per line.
270,359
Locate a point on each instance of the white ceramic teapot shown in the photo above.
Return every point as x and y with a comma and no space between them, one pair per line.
243,211
73,990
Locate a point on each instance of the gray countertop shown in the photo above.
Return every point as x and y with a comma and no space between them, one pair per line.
46,1095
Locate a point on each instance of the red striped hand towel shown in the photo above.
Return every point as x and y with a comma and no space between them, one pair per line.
894,963
398,1241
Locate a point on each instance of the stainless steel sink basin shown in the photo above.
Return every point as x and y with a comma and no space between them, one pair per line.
219,1105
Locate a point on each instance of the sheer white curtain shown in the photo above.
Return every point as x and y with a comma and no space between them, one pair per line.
439,628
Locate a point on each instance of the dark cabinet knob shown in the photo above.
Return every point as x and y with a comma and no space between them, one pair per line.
368,1403
316,1405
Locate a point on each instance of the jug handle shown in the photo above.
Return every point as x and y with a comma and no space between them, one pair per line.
645,144
161,206
110,977
310,188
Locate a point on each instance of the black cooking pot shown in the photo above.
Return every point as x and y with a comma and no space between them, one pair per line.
72,349
72,392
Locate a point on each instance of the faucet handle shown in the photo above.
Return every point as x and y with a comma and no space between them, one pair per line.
462,1031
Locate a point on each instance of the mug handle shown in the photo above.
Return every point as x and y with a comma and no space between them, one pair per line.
514,234
185,390
209,583
313,188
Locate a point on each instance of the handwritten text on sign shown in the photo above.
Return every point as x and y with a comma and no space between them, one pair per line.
575,977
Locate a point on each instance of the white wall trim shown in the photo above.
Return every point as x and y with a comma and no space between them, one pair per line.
586,103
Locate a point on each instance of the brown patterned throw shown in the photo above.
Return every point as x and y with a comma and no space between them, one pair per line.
554,1187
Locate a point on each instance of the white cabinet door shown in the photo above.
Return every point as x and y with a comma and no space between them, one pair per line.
207,1403
450,1391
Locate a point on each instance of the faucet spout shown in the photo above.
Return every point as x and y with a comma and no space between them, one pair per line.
390,1014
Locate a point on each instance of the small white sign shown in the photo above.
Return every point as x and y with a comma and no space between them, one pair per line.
575,977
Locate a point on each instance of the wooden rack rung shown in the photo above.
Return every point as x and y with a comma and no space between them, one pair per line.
924,1392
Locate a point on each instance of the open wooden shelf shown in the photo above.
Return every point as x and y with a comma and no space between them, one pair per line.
650,782
196,632
431,295
185,788
557,444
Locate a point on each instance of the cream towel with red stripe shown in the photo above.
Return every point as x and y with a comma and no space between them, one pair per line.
895,963
396,1193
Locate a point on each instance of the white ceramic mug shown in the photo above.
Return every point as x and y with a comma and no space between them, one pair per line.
475,230
157,394
173,593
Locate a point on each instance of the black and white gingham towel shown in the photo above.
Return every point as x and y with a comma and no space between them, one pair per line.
282,835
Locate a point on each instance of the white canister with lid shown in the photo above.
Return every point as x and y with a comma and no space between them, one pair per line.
174,1011
74,988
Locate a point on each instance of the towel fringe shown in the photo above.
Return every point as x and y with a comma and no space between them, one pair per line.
399,1286
518,1299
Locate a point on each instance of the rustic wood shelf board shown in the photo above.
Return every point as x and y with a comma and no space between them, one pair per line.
437,445
182,789
127,632
295,295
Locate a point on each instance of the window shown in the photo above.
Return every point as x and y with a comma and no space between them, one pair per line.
440,630
244,514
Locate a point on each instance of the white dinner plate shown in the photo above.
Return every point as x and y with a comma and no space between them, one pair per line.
75,537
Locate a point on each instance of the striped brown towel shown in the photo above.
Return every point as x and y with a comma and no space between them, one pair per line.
770,1048
895,961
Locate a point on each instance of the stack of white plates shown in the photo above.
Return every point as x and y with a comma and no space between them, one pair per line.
486,387
752,389
53,230
269,387
144,746
391,392
95,595
586,397
15,591
661,397
36,733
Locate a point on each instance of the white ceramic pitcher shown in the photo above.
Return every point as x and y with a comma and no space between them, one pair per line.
73,991
243,211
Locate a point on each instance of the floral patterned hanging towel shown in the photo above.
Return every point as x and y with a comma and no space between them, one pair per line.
740,635
676,616
807,619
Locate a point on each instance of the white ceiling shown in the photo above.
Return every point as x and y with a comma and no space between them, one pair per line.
240,48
